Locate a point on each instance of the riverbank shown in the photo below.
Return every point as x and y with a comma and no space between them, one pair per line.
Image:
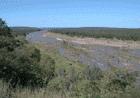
93,41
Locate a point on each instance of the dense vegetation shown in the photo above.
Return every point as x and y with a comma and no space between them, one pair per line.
22,63
23,31
25,66
120,34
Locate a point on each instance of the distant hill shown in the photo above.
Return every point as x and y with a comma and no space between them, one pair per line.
22,29
66,28
90,29
85,29
25,28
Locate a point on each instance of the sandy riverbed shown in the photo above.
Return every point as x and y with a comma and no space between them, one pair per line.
93,41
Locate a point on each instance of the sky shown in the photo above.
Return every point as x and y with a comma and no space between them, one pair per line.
71,13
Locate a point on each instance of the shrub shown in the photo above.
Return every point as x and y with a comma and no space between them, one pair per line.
48,67
16,62
64,80
7,40
120,80
58,83
21,40
23,66
5,30
86,83
93,74
85,88
10,43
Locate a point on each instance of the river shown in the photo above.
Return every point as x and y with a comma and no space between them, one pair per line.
37,36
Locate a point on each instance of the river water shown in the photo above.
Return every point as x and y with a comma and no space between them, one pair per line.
37,36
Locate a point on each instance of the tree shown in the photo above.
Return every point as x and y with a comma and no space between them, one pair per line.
4,29
22,63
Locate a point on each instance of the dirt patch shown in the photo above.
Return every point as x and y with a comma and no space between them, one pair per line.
93,41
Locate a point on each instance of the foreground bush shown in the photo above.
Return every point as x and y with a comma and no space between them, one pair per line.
21,64
120,81
79,84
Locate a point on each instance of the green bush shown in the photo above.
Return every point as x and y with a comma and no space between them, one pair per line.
134,93
48,67
93,74
5,30
21,40
85,88
23,64
120,80
62,81
58,83
10,43
77,83
86,82
7,40
17,62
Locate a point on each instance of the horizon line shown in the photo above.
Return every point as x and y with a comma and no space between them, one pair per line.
73,27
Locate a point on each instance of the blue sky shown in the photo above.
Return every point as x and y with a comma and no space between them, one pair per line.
71,13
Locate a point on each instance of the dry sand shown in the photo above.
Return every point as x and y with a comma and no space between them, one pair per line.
94,41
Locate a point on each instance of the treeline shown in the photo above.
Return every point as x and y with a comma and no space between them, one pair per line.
128,34
23,31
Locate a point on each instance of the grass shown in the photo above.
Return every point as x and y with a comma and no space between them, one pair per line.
138,42
130,42
125,50
116,48
75,50
123,54
114,40
113,68
85,46
111,55
61,62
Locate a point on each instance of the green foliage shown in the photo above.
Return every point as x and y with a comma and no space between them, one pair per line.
11,43
21,64
7,43
47,65
56,84
87,82
85,88
120,80
134,93
5,30
18,64
7,40
93,74
21,40
119,34
62,82
80,84
23,31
